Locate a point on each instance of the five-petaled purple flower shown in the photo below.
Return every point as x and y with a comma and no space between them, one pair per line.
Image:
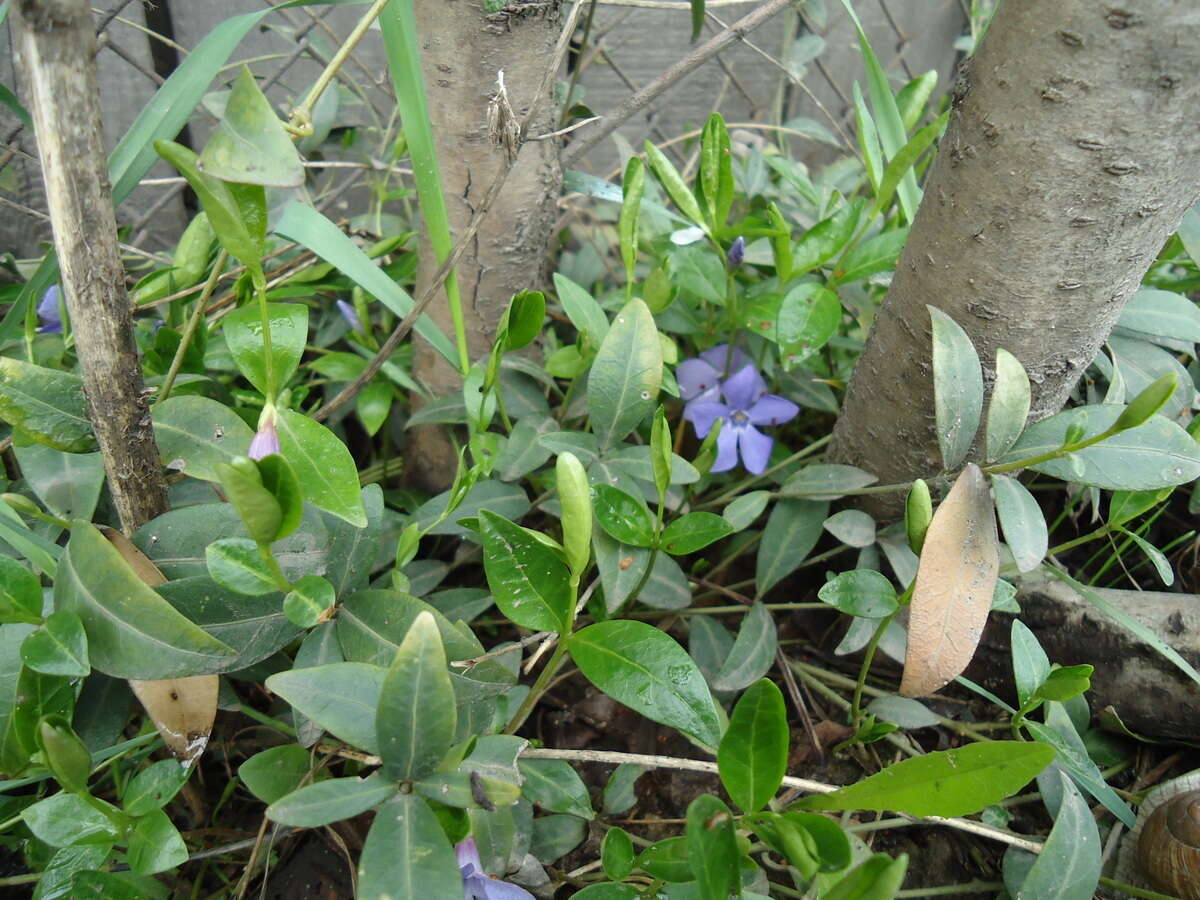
700,379
477,885
48,312
746,404
350,314
266,439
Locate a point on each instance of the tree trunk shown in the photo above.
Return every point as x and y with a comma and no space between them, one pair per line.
1070,157
58,47
462,50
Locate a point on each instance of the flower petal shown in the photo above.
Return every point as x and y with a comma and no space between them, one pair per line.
697,377
743,387
702,414
350,314
755,448
467,853
727,442
772,410
504,890
719,355
48,312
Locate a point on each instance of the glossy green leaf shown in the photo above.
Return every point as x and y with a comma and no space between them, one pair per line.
309,601
372,624
753,651
340,697
1126,505
957,388
326,470
1009,405
58,647
250,145
525,313
132,631
633,186
1068,868
874,255
668,860
46,404
616,856
860,592
694,531
623,517
16,738
237,565
792,530
1154,455
279,478
826,481
868,138
827,238
574,497
68,484
260,512
581,308
528,580
416,716
624,380
153,787
752,756
407,854
879,877
668,176
556,787
853,527
741,513
274,773
331,801
155,845
194,434
944,782
63,753
20,593
244,336
1031,665
1022,520
713,848
642,667
63,819
714,184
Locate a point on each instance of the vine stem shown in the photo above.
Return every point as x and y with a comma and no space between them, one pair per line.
189,330
539,687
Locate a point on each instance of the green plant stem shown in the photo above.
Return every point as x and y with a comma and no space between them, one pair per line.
948,890
734,491
1135,891
300,120
260,291
865,669
539,687
1058,453
189,330
1082,539
633,595
281,582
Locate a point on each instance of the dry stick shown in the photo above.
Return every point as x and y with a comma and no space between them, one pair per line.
461,245
641,99
57,47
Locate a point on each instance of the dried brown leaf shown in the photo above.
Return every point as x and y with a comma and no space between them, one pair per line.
960,563
182,709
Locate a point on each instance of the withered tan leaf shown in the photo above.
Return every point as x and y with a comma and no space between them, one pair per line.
182,709
956,578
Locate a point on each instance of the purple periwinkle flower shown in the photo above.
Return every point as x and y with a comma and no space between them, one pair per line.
746,405
266,439
699,379
477,885
350,314
737,252
48,312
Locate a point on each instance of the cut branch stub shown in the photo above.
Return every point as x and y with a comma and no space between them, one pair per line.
960,562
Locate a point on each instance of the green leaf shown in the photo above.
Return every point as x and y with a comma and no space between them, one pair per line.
556,835
879,877
623,517
68,484
59,647
340,697
944,782
640,666
371,626
1157,558
64,819
860,592
1068,868
793,529
132,631
274,773
556,787
623,384
584,312
694,531
827,238
697,18
20,593
1154,455
1124,506
668,860
633,186
155,845
826,481
1031,666
902,163
46,404
1163,314
237,565
715,182
528,580
868,139
525,313
309,602
713,848
668,176
616,856
154,786
279,478
195,433
741,513
1009,406
752,757
326,470
872,256
416,716
250,145
957,388
508,500
307,227
753,651
1022,520
1071,754
331,801
244,337
852,527
407,854
260,512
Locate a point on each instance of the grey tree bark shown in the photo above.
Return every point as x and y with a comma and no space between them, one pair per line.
1070,157
463,48
58,47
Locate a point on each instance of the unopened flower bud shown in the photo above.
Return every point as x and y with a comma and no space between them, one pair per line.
350,314
737,252
266,439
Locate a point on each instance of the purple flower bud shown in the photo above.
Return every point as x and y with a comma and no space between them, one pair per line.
48,313
266,439
737,252
350,315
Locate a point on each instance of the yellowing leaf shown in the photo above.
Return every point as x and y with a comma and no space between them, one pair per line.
960,563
